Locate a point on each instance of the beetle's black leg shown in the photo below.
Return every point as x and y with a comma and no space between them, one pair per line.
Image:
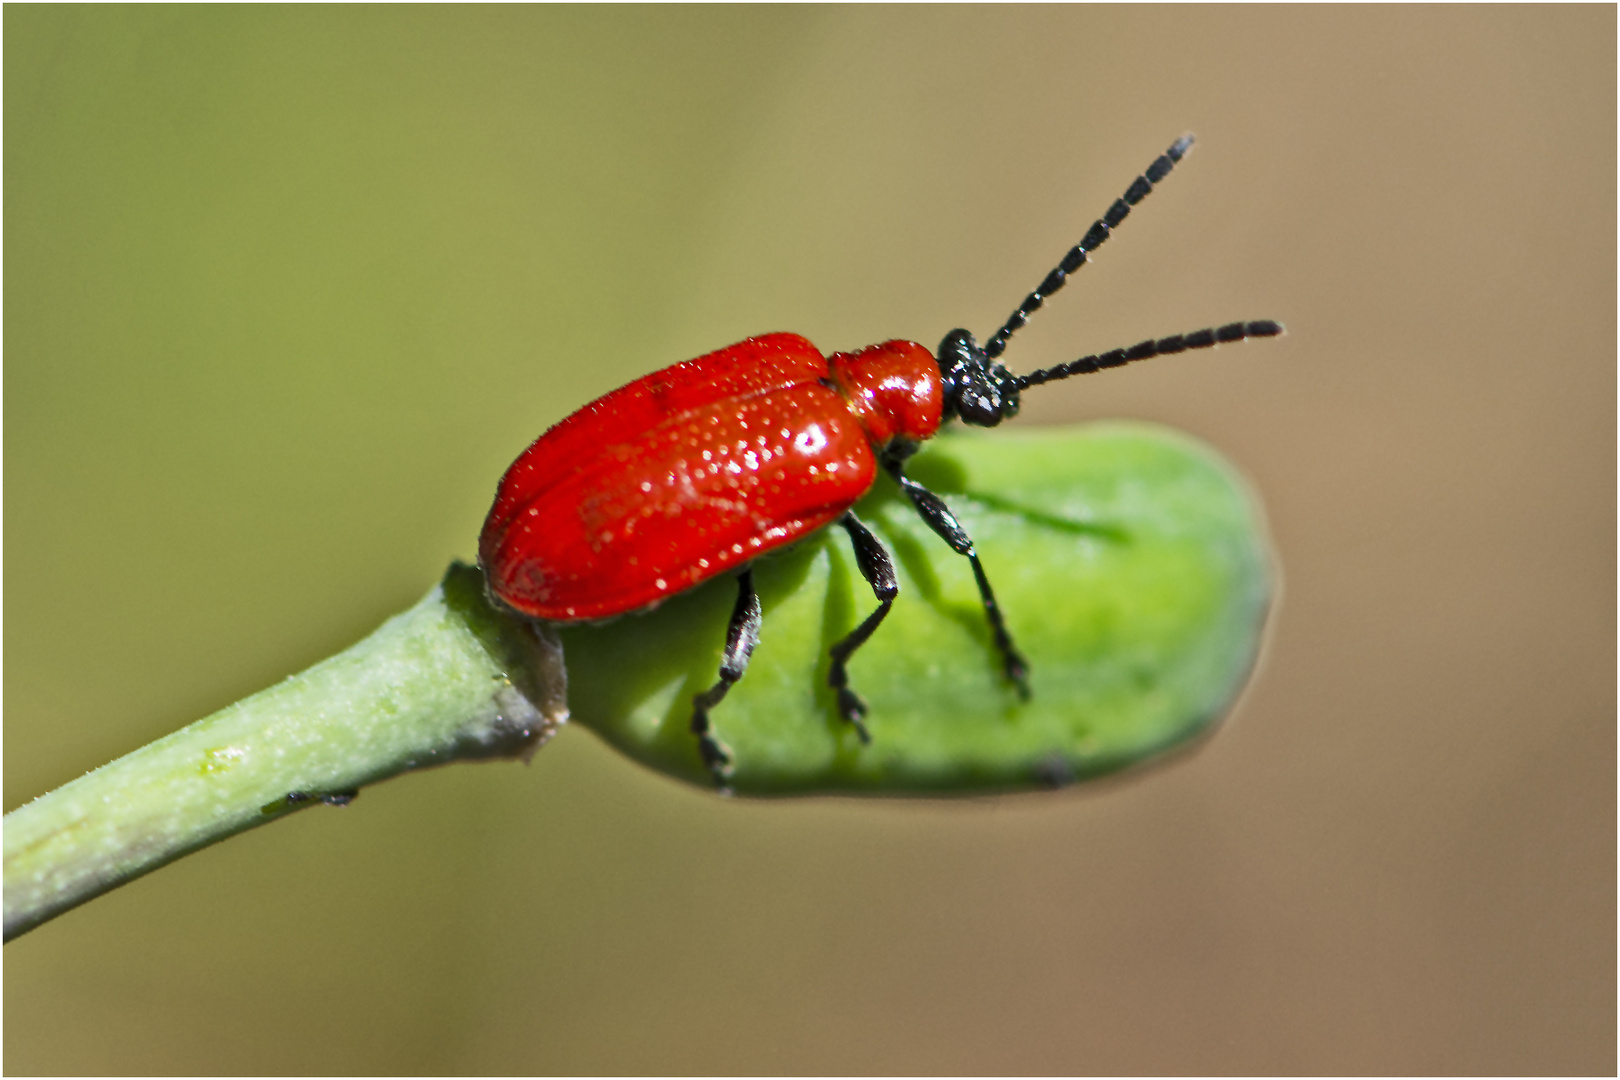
879,573
741,637
942,521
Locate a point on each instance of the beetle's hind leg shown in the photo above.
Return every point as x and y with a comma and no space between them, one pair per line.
878,571
939,518
741,637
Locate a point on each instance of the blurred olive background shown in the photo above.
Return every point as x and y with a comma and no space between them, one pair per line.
286,289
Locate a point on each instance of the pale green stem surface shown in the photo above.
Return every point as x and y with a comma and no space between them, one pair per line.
432,685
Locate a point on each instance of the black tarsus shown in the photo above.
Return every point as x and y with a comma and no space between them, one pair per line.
876,567
741,636
1095,236
1198,339
938,516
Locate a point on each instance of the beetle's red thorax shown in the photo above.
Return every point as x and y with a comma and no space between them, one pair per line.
894,390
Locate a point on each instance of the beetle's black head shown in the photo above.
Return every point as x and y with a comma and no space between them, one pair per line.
978,390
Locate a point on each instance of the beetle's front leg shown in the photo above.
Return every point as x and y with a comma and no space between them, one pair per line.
939,518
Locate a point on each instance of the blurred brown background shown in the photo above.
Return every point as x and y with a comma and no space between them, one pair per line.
286,289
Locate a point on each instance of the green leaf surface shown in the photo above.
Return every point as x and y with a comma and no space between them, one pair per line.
1131,563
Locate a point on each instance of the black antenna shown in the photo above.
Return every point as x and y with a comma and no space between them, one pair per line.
1198,339
1094,238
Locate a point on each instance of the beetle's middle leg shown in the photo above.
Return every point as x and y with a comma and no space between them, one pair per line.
741,637
933,510
878,571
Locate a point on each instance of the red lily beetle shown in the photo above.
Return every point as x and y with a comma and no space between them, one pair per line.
695,470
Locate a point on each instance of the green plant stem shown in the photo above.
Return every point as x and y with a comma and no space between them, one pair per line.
1131,560
448,680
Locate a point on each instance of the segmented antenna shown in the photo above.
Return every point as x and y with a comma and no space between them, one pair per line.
1099,232
1198,339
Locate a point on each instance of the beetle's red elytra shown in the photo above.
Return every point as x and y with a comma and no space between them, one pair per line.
696,470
